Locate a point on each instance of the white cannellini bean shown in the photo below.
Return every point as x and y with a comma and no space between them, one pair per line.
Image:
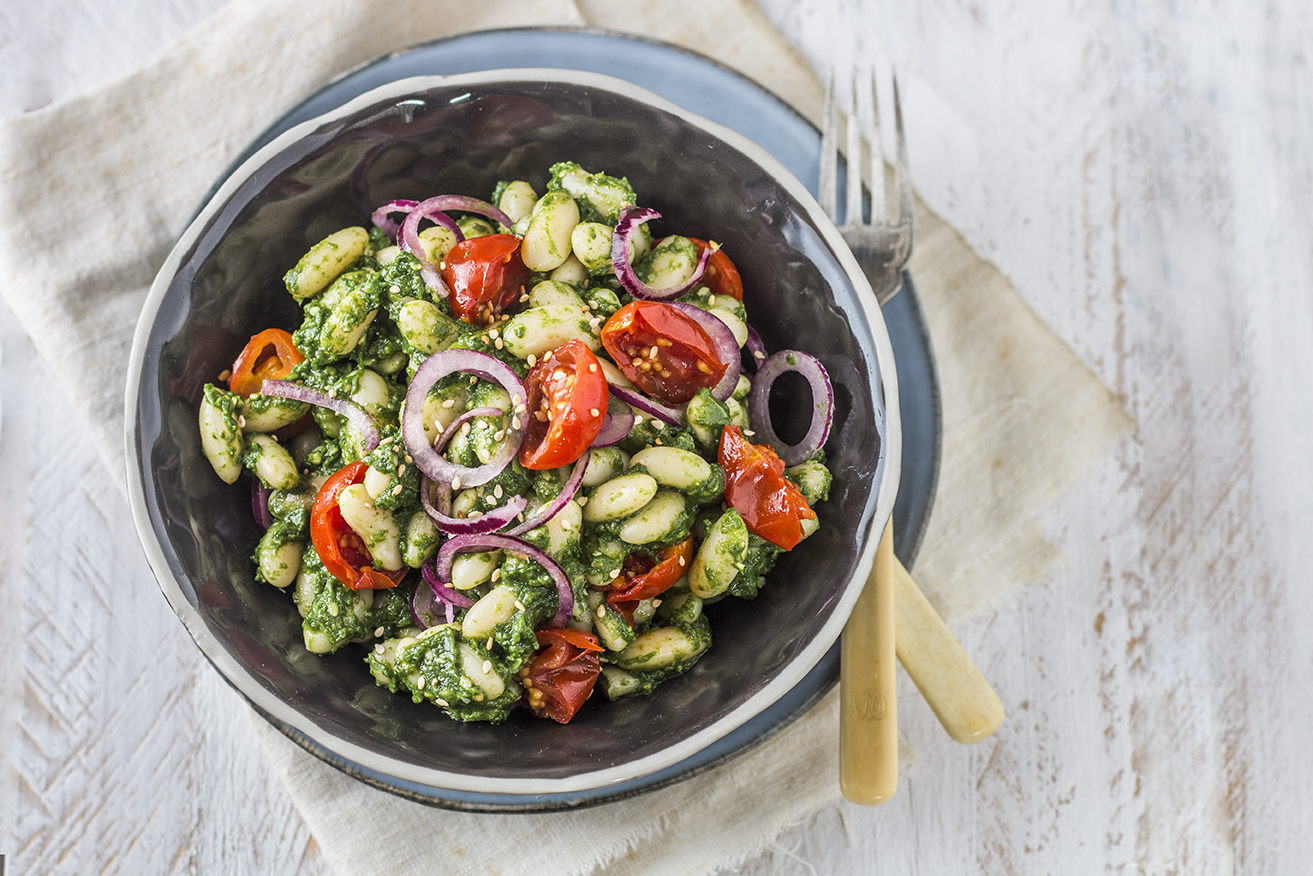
659,648
547,239
655,520
437,416
571,271
343,330
620,497
436,241
553,292
371,392
273,465
484,679
564,528
421,540
221,440
673,467
325,261
540,330
418,321
280,566
271,415
736,325
718,559
495,608
591,243
377,482
387,255
517,200
374,525
471,570
604,463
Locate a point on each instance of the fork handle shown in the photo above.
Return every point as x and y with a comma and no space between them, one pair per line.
868,722
952,685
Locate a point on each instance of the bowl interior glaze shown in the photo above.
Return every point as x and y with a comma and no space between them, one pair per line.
462,135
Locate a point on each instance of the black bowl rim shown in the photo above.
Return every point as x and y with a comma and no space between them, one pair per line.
888,466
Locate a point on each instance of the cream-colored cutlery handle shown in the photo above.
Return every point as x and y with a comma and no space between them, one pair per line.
958,694
868,724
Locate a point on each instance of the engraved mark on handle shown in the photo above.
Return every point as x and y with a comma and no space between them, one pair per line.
870,706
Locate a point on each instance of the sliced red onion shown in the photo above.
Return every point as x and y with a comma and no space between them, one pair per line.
260,504
633,397
381,220
430,461
408,240
552,508
727,347
617,425
422,603
630,219
462,544
354,413
756,348
440,511
822,404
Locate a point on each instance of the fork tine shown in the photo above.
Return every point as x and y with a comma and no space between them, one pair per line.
829,153
878,207
854,215
902,174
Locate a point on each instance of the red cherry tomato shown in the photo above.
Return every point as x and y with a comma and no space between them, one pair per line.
485,275
684,360
566,406
270,355
770,504
645,578
344,552
721,277
561,676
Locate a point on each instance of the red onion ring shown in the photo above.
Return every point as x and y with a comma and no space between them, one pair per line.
630,219
670,416
563,498
260,504
355,414
461,544
822,404
727,347
430,461
386,225
408,240
756,348
440,512
422,601
617,425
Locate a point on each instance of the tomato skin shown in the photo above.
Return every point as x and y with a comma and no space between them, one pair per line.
561,676
343,552
721,277
685,361
652,579
269,355
567,434
485,275
771,505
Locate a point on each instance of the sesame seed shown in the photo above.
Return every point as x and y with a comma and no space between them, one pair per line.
498,344
592,366
711,299
378,649
749,432
449,403
488,644
658,424
595,412
519,606
499,434
532,360
540,416
496,574
656,441
601,611
487,666
401,469
656,603
333,609
396,491
615,573
582,500
515,422
492,333
407,457
241,422
497,491
465,427
441,702
394,289
455,482
378,632
681,561
422,681
473,380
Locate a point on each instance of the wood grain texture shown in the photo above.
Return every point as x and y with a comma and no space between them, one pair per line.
1142,174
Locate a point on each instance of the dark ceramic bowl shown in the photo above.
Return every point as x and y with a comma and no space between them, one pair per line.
461,134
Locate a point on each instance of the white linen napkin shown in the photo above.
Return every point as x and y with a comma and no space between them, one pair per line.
95,191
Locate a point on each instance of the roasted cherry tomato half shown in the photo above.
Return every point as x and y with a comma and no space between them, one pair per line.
566,406
645,578
344,552
720,277
485,275
561,676
662,350
771,505
270,355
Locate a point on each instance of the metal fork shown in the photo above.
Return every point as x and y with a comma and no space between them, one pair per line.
884,244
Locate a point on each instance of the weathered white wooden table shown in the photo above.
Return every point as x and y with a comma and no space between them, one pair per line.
1143,173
